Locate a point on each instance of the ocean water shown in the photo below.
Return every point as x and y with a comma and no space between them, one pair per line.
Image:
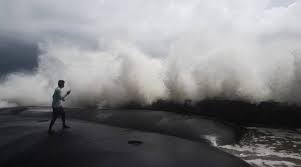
268,147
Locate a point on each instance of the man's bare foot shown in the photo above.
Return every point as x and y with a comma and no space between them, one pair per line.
50,132
66,127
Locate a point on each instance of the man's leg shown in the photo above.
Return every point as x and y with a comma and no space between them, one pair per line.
54,116
63,118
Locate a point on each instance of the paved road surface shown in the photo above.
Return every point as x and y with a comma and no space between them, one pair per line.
24,142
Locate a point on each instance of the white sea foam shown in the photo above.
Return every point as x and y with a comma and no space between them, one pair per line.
143,51
212,139
268,147
269,163
6,104
260,150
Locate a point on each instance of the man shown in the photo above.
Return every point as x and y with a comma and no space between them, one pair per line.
57,107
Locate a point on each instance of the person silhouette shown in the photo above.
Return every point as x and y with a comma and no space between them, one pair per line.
57,107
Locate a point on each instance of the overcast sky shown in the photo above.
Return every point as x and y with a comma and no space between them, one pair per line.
87,21
151,25
152,49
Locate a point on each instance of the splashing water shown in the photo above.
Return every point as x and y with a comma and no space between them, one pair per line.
171,50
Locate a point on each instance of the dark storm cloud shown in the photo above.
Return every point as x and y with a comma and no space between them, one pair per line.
17,55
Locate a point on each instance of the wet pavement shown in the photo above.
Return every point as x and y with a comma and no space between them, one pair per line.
24,141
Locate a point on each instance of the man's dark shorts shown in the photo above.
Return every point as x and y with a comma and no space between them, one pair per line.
57,111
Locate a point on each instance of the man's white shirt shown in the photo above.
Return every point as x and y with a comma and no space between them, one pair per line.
57,98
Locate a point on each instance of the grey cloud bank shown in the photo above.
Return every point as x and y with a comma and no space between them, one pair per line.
17,56
114,52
